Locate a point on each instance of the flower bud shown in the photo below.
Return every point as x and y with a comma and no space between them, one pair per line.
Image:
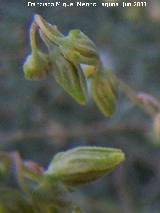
76,46
69,76
84,164
82,43
36,66
76,57
103,92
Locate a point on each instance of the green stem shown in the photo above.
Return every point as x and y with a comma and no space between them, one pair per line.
31,175
132,95
53,34
20,178
44,38
33,37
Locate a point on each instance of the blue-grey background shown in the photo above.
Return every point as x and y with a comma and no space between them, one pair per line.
38,119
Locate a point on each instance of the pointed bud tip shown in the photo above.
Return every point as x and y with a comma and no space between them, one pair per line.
119,156
37,16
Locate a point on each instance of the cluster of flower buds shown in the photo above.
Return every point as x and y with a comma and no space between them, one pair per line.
64,60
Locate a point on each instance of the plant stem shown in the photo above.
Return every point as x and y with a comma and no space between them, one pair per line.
148,102
31,175
33,37
20,178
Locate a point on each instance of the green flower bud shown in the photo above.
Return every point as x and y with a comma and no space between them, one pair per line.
36,66
82,43
37,63
103,92
84,164
69,76
76,46
76,57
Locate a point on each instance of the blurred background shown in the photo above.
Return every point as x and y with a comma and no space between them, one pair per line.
38,119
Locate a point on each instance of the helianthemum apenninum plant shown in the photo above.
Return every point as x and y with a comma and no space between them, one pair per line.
48,191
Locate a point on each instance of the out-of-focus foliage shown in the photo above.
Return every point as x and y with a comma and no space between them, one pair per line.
37,190
38,119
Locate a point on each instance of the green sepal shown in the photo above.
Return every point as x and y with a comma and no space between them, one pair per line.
103,92
36,66
68,75
82,43
52,192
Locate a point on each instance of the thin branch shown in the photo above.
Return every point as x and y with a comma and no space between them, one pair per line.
146,101
61,132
